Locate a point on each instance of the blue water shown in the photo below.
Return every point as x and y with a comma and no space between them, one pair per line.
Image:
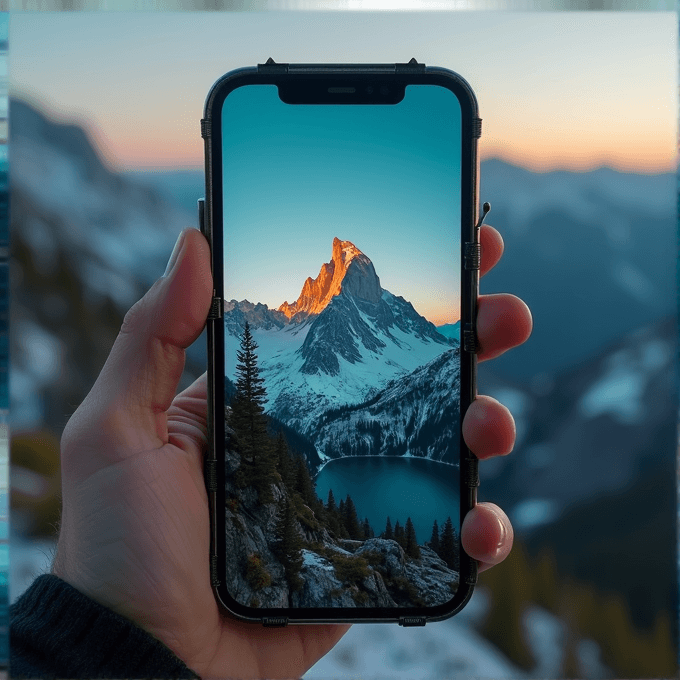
395,487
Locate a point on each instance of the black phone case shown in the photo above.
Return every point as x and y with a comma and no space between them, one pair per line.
210,213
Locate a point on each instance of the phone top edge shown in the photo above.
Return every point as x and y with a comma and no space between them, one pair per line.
412,67
394,69
216,86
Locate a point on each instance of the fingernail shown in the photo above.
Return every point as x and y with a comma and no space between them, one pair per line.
175,253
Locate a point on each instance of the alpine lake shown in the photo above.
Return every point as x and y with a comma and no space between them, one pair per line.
397,487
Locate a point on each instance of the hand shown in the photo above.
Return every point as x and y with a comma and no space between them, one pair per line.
135,527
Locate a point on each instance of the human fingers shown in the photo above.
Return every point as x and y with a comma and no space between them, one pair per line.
487,535
488,428
503,321
127,405
492,248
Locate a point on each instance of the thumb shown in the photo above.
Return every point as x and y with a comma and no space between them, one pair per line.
127,404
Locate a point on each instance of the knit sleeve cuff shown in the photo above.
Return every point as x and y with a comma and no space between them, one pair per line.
56,631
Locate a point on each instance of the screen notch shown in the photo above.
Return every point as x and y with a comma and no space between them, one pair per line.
375,91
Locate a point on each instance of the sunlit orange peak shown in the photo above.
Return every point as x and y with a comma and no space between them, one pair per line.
317,293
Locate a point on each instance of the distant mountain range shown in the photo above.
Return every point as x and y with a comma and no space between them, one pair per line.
593,255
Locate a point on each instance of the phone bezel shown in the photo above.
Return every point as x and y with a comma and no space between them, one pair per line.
340,75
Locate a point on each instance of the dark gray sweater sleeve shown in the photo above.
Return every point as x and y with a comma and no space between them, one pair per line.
57,632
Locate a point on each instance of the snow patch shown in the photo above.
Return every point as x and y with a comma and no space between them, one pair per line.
534,512
618,393
311,559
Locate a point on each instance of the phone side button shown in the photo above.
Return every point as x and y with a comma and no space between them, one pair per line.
214,580
477,127
408,621
211,474
275,621
215,311
473,256
472,473
201,214
470,343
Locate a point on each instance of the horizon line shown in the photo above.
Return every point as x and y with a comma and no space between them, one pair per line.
276,309
536,170
116,165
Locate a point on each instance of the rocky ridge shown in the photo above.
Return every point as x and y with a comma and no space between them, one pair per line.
348,269
335,572
418,413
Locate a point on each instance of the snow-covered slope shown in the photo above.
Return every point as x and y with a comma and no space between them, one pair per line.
417,415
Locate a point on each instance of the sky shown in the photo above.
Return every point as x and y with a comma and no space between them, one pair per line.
557,90
386,178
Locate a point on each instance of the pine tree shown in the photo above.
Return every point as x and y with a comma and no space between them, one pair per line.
284,463
447,545
400,535
352,520
389,534
289,545
332,515
368,532
412,548
434,541
258,465
331,506
303,482
343,533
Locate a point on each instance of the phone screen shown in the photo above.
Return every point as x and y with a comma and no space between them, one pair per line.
342,230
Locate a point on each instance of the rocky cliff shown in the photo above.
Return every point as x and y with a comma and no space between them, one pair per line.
335,572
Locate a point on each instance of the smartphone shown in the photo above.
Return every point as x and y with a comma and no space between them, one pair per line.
341,212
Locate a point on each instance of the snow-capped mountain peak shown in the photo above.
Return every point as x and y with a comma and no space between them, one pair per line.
349,269
341,342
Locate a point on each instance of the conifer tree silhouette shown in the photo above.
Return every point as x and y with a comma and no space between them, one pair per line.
352,520
400,535
303,482
333,516
448,548
389,533
412,549
258,464
289,544
284,463
434,541
368,531
330,505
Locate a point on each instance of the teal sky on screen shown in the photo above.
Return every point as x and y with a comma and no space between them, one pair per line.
386,178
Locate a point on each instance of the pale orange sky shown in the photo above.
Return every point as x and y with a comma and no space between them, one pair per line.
557,90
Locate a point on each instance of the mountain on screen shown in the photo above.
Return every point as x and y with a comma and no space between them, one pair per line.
341,342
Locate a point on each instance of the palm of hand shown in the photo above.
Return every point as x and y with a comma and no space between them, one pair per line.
143,552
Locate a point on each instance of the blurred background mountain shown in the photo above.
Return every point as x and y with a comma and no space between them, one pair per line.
591,588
